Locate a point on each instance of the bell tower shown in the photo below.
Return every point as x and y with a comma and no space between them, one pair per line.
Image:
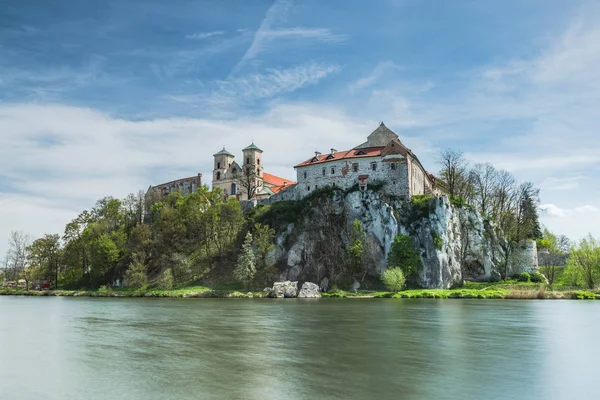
223,160
252,165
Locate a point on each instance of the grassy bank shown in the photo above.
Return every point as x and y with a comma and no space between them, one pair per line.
471,290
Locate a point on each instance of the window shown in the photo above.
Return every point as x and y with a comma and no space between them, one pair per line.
258,171
355,167
329,157
218,175
374,166
305,175
308,188
233,188
247,160
218,165
234,171
393,166
332,170
324,171
360,153
316,187
258,161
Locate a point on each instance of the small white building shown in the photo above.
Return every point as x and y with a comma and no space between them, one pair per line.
382,159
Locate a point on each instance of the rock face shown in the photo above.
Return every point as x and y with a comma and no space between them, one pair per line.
455,243
284,289
309,290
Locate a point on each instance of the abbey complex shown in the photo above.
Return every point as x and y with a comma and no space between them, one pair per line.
383,160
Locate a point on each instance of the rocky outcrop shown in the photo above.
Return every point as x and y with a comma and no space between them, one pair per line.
454,243
284,289
309,290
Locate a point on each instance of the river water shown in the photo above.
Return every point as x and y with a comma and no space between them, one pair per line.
83,348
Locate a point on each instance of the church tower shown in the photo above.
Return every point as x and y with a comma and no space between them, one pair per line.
223,160
253,166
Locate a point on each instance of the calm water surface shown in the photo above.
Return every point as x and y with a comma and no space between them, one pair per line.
69,348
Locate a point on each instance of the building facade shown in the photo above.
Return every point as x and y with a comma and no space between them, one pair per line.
383,160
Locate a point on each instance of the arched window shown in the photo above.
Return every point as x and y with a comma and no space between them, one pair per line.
258,171
247,160
305,175
234,171
233,188
218,165
218,175
258,161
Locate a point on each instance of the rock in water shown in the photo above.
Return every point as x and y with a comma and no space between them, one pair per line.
284,289
309,290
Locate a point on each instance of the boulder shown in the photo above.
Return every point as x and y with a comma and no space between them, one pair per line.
284,289
309,290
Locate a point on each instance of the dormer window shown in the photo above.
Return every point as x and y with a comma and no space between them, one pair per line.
314,159
329,157
360,153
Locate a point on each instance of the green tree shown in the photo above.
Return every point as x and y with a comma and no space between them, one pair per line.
263,242
45,255
246,265
356,250
405,256
583,265
393,278
135,276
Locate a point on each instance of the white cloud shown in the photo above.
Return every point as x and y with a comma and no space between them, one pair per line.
204,35
378,72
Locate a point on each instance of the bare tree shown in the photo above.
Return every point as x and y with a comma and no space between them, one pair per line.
16,256
248,181
454,170
484,179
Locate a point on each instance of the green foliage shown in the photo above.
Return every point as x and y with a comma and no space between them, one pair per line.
583,265
523,277
536,277
356,251
459,202
422,202
135,276
245,268
165,280
393,279
405,256
437,240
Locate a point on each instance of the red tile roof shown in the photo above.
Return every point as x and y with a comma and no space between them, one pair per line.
343,155
276,180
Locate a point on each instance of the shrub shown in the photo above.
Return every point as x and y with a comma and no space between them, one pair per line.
523,277
393,279
404,255
537,277
165,280
437,240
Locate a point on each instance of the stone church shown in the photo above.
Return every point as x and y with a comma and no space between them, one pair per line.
248,181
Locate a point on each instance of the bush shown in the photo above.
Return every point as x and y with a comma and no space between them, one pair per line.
165,280
523,277
393,279
404,255
537,277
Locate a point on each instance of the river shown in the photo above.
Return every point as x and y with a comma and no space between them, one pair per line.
76,348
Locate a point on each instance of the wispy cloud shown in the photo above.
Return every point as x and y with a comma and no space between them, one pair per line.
268,32
204,35
375,75
554,211
228,95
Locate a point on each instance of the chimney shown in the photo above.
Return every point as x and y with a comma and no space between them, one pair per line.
333,151
284,183
317,153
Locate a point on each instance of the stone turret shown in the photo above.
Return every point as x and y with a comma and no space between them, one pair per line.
223,160
253,163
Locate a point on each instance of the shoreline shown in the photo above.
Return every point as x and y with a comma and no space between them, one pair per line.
204,292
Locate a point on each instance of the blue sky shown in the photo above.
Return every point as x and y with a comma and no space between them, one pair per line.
107,97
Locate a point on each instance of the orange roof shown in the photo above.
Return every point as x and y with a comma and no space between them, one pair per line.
276,180
342,155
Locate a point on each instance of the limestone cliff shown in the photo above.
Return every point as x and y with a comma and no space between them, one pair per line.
455,243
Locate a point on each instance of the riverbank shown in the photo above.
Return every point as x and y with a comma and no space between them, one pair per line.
471,290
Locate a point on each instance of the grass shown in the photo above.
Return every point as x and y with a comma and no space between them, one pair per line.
472,290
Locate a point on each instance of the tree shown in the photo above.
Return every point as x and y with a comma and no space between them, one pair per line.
136,276
584,263
393,278
454,171
263,242
403,255
247,180
356,251
483,178
45,255
246,264
16,257
551,254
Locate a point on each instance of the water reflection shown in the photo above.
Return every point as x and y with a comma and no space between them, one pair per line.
293,349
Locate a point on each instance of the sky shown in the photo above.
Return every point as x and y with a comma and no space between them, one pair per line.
104,98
